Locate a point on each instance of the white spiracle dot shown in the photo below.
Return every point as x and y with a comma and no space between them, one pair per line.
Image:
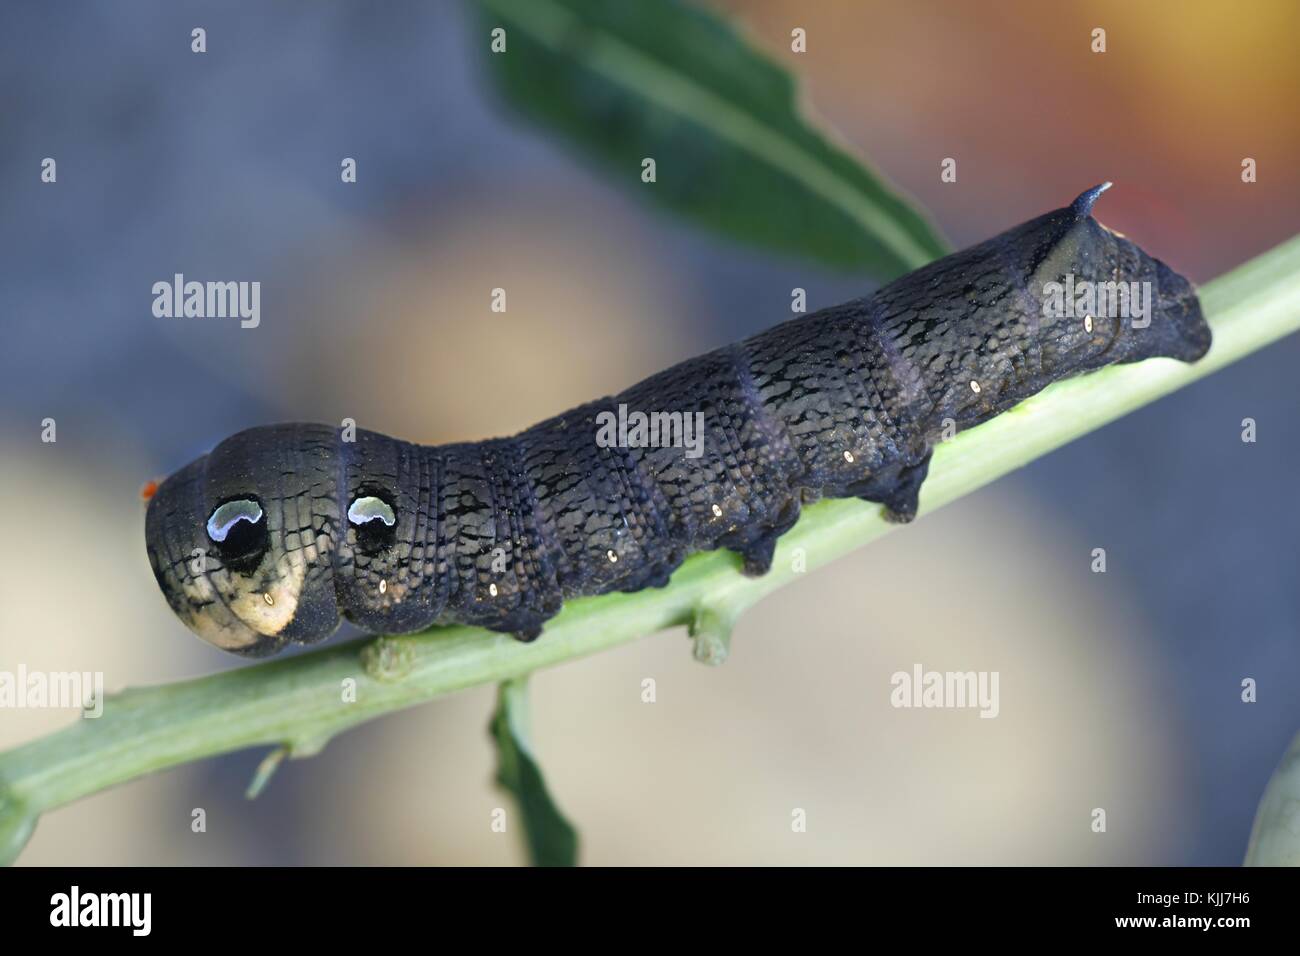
492,590
848,456
717,512
613,558
975,386
383,586
1087,323
268,599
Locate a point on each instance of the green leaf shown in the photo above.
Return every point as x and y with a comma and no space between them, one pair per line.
1275,836
664,80
552,840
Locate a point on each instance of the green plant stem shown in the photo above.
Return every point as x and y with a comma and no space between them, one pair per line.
300,703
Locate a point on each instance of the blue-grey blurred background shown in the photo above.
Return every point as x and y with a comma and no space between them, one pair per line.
1118,690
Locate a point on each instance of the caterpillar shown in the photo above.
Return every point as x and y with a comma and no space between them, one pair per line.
283,530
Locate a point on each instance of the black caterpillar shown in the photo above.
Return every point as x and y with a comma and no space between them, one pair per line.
283,530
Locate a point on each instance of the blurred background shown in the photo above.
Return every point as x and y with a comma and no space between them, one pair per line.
1118,690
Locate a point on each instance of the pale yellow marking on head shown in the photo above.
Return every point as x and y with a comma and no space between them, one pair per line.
271,611
215,623
221,635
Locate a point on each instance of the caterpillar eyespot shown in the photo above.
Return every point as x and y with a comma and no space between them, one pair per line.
305,522
226,518
368,508
237,528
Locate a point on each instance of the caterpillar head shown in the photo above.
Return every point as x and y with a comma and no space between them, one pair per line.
269,539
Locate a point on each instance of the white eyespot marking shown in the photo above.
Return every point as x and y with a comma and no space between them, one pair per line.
1087,323
383,585
492,590
270,601
848,456
369,508
717,512
613,558
228,515
975,386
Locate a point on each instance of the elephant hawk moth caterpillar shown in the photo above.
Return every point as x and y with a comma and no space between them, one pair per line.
283,530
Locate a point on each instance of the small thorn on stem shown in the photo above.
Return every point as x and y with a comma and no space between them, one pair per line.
265,770
711,630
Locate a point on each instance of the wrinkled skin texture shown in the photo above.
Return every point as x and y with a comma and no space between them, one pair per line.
848,401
